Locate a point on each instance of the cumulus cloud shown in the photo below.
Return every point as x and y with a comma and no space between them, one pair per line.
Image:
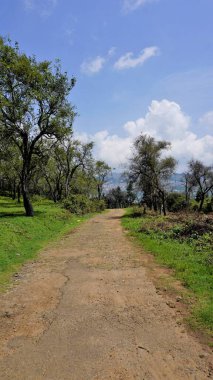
113,149
128,61
206,121
93,66
164,120
132,5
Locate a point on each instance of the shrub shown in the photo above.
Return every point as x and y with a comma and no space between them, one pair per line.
80,204
208,207
175,202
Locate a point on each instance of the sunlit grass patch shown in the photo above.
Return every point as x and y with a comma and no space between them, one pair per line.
22,237
190,257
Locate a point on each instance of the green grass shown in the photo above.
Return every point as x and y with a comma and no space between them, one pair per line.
21,237
188,259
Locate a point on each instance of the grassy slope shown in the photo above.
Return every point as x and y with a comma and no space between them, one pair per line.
21,238
190,265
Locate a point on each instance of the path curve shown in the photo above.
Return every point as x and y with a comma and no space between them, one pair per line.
87,310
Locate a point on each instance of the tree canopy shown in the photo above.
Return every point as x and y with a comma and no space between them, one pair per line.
150,171
34,106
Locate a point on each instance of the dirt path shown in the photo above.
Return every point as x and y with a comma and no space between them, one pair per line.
87,310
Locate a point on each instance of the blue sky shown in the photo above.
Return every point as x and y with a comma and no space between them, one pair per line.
141,65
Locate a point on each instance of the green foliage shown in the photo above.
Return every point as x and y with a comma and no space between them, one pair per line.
101,172
201,178
187,249
80,204
21,238
175,202
116,198
150,171
208,206
34,106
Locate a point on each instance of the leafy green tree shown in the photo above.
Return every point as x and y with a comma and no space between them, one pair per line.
150,171
130,193
102,170
116,198
78,156
62,163
10,169
33,105
201,178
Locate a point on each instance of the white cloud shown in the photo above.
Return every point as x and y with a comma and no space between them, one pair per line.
93,66
164,120
206,121
131,5
128,61
113,149
43,7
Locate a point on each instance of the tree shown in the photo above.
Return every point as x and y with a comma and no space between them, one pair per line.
78,155
116,198
10,169
33,105
130,194
150,171
65,160
102,170
188,185
202,178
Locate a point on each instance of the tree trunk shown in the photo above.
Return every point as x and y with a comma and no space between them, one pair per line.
26,199
99,192
14,189
67,187
25,193
164,208
19,193
201,202
27,203
163,203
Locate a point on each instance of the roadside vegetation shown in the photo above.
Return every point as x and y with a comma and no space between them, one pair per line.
176,227
184,243
38,152
46,174
22,238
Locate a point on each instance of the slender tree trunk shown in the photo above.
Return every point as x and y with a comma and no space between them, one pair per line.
25,192
19,193
14,189
67,187
201,202
99,192
164,208
27,203
163,203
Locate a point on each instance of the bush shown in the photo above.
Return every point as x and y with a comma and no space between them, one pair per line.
138,212
208,207
175,202
80,204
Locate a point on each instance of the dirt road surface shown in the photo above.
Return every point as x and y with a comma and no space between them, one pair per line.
88,310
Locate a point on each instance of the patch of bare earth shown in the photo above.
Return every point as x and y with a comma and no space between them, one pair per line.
88,310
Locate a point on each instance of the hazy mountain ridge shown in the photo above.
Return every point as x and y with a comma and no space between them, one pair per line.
117,179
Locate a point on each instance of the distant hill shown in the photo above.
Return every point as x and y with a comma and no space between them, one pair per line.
116,179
